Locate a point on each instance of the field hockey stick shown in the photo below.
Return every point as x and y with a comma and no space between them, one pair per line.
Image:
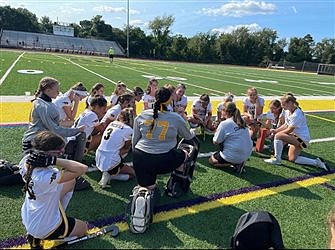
113,229
55,243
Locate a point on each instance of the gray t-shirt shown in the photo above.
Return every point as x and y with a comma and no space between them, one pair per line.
45,116
163,136
237,144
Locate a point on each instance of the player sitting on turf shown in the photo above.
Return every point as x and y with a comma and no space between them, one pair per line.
234,139
294,132
253,106
201,114
49,183
114,146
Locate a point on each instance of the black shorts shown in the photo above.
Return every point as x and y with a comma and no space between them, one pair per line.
111,56
60,231
116,170
218,157
148,166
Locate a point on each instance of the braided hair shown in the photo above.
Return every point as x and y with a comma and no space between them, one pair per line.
45,83
126,116
162,97
44,141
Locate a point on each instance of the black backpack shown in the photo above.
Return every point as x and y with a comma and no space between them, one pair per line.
257,230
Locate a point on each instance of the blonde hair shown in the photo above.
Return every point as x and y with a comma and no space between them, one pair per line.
289,97
45,83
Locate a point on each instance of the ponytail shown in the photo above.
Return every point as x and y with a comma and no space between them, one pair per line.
163,96
234,112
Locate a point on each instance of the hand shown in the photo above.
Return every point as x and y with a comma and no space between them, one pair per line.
272,131
82,128
40,159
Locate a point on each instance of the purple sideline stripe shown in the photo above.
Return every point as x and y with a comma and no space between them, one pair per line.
20,240
327,185
13,125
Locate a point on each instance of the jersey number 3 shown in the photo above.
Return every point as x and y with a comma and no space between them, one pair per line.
163,124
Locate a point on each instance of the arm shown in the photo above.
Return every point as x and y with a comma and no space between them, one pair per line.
71,111
136,133
71,169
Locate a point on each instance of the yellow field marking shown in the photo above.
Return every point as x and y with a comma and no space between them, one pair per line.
321,118
18,112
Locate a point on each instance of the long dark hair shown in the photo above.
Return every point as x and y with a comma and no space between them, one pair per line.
162,97
44,141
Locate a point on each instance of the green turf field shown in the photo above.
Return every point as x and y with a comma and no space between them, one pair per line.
299,196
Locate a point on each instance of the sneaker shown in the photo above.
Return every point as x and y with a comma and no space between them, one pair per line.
322,164
239,168
105,178
138,219
273,161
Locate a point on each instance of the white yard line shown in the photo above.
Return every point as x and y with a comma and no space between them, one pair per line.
3,78
91,71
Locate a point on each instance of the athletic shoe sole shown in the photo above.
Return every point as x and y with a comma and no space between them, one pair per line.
138,220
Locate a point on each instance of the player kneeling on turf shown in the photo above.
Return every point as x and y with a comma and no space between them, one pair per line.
49,183
115,144
154,152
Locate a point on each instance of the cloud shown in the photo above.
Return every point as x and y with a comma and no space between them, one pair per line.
136,22
239,9
3,3
230,28
294,9
111,9
70,10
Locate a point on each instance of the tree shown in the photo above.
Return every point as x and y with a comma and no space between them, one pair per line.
325,51
160,28
19,19
46,24
300,49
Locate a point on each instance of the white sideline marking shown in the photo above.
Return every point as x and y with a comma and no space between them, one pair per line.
3,78
260,81
103,77
324,83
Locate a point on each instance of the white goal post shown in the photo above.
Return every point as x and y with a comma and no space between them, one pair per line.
326,69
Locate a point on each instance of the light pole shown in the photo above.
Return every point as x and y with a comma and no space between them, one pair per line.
128,28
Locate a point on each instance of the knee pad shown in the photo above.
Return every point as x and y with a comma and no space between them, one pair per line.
141,208
179,182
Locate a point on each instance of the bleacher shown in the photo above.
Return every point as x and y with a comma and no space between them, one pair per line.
56,43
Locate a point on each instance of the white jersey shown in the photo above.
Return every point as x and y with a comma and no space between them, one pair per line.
113,139
88,118
271,117
62,101
181,103
201,111
237,144
41,216
251,107
114,99
297,120
149,99
113,112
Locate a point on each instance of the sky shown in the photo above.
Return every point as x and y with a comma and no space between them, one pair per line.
295,18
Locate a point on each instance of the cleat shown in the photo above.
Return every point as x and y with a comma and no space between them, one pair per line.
322,164
139,214
273,161
239,168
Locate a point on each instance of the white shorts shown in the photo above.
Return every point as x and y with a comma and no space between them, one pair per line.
106,160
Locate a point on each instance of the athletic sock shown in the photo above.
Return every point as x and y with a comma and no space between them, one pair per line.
278,148
66,200
305,161
120,177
